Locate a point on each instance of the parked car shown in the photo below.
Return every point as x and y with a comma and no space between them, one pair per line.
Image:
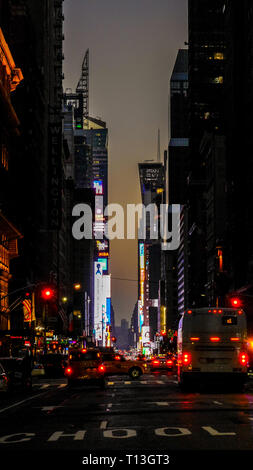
54,364
85,366
18,372
116,364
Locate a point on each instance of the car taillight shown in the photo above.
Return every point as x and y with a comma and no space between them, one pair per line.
169,362
68,371
101,368
234,339
194,339
243,358
214,339
155,362
186,358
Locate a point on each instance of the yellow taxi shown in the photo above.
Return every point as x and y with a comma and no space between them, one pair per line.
116,364
85,366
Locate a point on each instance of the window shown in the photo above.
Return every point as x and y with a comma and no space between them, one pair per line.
4,156
218,80
218,56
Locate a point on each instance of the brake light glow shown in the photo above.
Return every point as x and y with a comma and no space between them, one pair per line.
234,339
243,358
84,350
155,362
101,368
220,311
189,311
214,311
240,312
68,371
186,358
169,362
215,339
194,339
117,358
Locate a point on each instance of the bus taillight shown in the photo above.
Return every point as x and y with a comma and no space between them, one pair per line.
186,358
243,358
194,339
214,339
234,339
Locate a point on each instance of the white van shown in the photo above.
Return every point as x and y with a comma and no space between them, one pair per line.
212,345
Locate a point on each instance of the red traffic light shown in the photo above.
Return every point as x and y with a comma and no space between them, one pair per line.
114,339
47,293
236,302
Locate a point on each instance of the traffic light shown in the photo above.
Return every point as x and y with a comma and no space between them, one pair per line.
114,339
47,293
236,302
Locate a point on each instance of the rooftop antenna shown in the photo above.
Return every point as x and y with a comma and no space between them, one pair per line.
158,147
83,84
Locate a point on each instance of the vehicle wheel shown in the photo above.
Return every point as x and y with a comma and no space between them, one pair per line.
102,384
27,384
184,385
71,382
239,388
135,373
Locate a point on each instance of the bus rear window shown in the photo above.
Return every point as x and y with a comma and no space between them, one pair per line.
229,320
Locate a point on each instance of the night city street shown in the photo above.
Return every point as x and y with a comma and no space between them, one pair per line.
145,416
126,233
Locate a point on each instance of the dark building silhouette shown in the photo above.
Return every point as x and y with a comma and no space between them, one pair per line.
176,264
206,117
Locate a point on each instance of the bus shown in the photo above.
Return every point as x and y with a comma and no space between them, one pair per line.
212,347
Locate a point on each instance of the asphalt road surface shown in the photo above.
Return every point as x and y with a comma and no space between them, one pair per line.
142,416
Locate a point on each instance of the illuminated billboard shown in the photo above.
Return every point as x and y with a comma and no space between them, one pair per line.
98,186
98,300
102,302
104,263
142,271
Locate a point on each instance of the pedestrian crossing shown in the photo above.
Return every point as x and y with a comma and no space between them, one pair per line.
114,381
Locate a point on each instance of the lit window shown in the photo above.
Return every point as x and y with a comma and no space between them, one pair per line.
218,80
218,56
4,156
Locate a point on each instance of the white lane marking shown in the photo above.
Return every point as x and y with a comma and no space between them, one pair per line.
218,403
112,433
159,403
44,386
182,432
160,382
62,386
213,432
127,383
50,408
21,402
103,424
